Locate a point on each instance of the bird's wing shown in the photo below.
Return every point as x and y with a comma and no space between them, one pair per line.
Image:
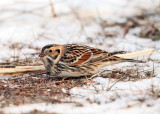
78,54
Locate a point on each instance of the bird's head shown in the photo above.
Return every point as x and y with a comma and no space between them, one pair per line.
52,53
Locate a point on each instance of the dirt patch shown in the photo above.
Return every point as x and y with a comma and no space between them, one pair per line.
147,22
36,89
129,74
151,32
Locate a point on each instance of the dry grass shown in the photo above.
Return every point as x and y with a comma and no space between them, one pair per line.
129,74
35,88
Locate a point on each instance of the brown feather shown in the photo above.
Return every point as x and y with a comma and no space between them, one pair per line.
83,59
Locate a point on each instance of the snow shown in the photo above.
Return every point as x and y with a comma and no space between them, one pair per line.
88,108
30,22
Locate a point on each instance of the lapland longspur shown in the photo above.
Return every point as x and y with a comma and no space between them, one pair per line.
73,60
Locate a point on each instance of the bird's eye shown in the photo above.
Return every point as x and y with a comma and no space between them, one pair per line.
50,51
58,51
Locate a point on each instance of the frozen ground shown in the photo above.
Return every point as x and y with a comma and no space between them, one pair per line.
27,25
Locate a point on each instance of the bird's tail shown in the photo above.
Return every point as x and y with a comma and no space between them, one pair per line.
132,60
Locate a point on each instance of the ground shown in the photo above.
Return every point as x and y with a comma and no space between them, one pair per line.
28,25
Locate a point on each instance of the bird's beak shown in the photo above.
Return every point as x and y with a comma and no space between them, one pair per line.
42,54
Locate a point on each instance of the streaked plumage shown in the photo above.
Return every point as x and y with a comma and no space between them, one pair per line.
73,60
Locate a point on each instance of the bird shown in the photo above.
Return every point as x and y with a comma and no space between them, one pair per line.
74,60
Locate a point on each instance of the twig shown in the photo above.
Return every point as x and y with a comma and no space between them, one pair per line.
52,8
